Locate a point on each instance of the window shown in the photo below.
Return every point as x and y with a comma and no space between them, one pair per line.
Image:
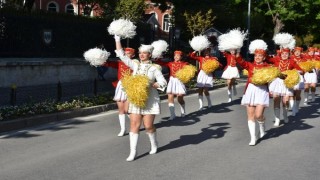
69,9
166,23
53,7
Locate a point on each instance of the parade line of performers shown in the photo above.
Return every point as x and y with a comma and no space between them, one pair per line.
256,96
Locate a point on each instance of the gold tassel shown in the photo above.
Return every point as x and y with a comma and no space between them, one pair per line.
186,73
245,72
316,64
292,78
265,75
306,66
210,65
137,89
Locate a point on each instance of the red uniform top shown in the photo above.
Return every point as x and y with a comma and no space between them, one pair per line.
122,69
298,59
174,67
231,59
308,57
284,65
202,60
250,67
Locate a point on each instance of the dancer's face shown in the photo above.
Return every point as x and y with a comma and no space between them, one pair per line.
144,56
284,55
297,53
259,58
177,57
129,54
310,53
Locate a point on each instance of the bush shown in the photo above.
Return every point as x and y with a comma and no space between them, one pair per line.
51,106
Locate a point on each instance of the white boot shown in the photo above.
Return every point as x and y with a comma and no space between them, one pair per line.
122,121
229,96
252,130
133,146
313,95
262,128
153,142
200,98
276,117
306,96
297,106
172,111
285,114
292,107
234,90
183,109
209,101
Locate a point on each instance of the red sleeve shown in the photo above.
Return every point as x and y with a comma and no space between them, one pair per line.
113,64
296,66
193,56
244,64
161,63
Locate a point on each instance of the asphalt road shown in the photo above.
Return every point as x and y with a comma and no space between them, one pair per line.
211,144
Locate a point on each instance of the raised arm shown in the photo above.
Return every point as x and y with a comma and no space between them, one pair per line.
244,64
120,53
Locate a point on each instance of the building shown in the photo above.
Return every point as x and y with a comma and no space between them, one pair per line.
72,7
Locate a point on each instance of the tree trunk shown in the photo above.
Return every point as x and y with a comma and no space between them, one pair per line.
278,24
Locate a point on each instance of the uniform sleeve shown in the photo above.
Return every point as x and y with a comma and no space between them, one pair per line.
193,56
125,59
244,64
113,64
160,79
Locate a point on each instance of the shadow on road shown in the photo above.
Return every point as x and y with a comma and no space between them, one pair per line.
297,122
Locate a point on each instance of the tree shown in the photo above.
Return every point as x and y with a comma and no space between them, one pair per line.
90,5
197,23
130,9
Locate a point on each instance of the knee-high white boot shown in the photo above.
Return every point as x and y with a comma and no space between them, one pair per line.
306,98
122,121
234,88
229,96
133,146
200,98
252,130
262,128
153,142
183,109
285,114
292,107
276,117
209,101
313,95
172,111
297,106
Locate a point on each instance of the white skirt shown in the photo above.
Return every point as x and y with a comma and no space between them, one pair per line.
120,94
230,72
152,107
300,85
310,77
256,95
277,87
204,80
175,86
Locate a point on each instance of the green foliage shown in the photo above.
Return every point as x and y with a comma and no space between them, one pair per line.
130,9
197,23
51,106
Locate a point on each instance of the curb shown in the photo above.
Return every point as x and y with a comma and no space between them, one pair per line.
36,120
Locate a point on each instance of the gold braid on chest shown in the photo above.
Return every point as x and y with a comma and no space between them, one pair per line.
284,65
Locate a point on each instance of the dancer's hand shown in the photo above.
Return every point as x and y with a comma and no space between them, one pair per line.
117,38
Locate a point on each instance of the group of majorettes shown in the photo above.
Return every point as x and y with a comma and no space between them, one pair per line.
255,98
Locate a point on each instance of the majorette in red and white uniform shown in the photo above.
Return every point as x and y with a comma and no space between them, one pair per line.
175,86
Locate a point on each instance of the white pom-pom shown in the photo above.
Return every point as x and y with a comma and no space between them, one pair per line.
232,40
96,56
284,40
123,28
199,43
292,44
257,44
146,48
159,46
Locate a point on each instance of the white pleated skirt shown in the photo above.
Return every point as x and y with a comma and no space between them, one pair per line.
175,86
300,85
204,80
256,95
230,72
152,107
278,88
310,77
120,94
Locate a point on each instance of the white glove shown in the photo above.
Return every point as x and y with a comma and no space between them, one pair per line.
117,38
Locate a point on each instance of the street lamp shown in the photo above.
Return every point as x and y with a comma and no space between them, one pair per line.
248,37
